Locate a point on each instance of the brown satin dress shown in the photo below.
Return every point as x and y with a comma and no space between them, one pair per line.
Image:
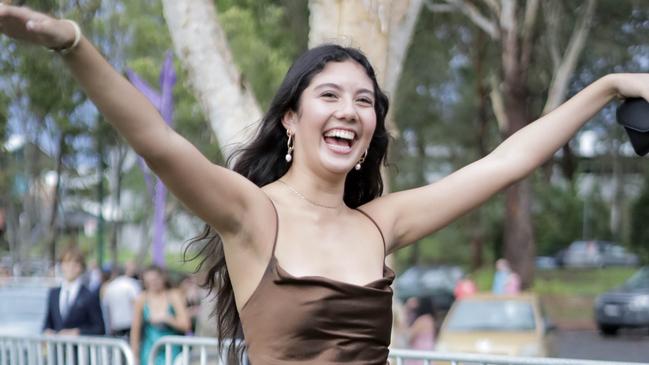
316,320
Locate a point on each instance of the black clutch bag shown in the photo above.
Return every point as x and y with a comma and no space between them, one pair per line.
633,114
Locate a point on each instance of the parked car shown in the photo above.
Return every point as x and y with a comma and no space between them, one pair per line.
582,254
546,263
436,282
23,302
512,325
626,306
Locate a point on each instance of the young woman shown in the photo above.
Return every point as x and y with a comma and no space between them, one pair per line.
159,311
298,232
421,333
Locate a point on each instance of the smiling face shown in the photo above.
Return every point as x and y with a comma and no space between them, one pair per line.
336,119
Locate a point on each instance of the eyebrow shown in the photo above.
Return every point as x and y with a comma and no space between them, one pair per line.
337,87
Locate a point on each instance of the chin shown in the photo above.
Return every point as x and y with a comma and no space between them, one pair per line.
337,167
339,164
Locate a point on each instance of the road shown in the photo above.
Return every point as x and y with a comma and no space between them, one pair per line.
629,345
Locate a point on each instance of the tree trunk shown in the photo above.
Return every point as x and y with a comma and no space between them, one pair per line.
519,245
382,29
120,154
477,243
201,45
563,70
53,229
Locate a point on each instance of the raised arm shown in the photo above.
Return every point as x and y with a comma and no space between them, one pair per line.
218,195
410,215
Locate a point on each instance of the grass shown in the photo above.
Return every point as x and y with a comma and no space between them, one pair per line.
566,281
580,282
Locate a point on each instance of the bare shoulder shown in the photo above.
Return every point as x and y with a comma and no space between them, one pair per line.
381,211
140,299
176,297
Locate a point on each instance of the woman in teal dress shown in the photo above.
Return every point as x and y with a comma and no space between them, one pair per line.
159,311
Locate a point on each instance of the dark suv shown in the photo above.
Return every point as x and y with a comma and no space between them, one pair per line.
436,282
626,306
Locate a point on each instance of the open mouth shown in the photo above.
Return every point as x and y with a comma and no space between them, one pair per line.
340,140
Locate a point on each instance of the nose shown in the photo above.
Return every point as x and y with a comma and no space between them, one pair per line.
346,110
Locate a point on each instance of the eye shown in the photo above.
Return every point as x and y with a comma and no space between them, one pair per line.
328,95
366,101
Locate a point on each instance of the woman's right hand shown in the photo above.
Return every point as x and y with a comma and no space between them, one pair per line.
24,24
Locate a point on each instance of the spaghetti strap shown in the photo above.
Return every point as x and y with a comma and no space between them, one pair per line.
377,227
272,254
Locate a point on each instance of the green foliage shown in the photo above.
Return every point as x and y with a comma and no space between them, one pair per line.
265,37
438,114
439,108
558,216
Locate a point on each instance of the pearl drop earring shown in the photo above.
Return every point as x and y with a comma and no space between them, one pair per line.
289,145
360,162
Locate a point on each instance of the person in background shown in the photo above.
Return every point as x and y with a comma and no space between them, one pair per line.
193,297
93,277
131,270
159,311
513,283
421,333
72,309
464,287
118,299
400,325
500,276
505,280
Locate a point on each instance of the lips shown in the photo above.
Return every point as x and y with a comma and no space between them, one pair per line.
339,140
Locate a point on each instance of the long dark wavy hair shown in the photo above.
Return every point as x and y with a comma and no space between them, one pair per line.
263,161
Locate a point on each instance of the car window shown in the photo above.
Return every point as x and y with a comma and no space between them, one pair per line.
505,315
639,280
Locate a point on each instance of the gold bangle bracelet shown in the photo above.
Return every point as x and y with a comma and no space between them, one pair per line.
75,43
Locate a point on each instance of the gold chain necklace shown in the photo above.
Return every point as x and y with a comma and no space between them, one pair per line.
307,199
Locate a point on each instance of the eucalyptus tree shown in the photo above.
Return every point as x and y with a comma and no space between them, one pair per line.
459,80
514,29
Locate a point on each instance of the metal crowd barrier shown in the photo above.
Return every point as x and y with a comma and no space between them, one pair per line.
203,351
64,350
193,351
399,357
82,350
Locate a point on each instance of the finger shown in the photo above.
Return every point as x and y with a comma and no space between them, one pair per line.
20,12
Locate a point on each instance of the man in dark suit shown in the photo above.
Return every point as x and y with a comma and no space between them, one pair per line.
71,308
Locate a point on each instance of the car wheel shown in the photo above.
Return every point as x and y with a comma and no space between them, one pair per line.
608,330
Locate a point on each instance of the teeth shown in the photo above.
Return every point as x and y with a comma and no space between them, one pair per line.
341,133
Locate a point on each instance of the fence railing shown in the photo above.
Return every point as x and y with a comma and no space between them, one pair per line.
203,351
399,357
64,350
179,350
191,351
